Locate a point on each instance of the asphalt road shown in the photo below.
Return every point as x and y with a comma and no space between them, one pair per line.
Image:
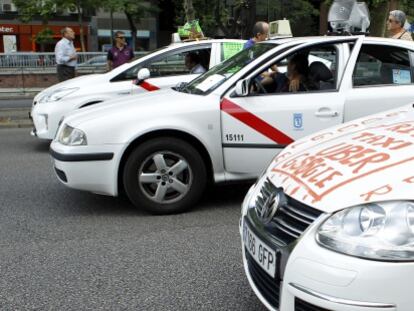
62,249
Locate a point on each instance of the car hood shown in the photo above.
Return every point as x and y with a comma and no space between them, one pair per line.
81,81
363,161
117,112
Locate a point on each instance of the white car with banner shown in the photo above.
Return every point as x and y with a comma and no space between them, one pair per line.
163,147
166,68
330,224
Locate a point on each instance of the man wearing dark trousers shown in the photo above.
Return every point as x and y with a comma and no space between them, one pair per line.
65,54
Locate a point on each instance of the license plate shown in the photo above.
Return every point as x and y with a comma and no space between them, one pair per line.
261,253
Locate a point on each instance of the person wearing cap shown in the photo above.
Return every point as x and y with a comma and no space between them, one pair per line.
120,53
260,33
395,25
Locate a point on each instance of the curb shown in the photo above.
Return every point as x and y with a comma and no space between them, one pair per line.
11,125
4,95
15,118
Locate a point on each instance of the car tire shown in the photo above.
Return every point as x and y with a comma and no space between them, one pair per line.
164,175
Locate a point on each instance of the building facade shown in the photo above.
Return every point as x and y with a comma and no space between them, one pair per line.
16,36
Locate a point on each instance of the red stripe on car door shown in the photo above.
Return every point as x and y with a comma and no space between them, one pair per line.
148,86
255,122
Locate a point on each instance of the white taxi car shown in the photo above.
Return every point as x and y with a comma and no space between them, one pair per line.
163,147
330,224
166,67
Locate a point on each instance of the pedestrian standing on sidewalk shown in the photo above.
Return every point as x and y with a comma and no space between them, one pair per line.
66,57
260,33
120,53
395,25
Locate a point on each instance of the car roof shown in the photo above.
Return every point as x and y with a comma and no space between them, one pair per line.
366,39
203,41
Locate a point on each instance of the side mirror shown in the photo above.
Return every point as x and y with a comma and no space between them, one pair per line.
242,88
143,74
180,85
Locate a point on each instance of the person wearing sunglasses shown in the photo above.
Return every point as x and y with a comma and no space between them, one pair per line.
395,25
120,53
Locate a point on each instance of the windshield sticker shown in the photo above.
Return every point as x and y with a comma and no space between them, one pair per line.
231,48
209,82
298,121
319,172
401,76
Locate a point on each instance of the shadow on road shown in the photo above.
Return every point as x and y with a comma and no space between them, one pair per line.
41,145
222,196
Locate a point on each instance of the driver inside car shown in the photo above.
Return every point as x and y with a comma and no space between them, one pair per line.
296,78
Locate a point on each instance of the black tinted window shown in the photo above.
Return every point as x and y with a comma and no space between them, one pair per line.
382,65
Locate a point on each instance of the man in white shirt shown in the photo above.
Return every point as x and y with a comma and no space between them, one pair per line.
65,54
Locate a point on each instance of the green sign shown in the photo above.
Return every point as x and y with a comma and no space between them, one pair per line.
231,48
189,28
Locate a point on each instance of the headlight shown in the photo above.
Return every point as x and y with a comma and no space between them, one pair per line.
57,95
380,231
72,137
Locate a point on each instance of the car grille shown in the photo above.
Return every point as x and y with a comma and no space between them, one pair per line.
267,286
291,219
301,305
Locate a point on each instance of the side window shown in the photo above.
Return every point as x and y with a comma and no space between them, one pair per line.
310,69
382,65
176,64
168,64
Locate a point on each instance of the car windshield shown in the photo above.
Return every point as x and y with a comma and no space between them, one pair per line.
213,78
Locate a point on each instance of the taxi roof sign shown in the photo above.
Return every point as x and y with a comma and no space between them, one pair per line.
280,28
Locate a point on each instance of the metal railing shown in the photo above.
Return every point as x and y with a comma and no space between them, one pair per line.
30,72
41,60
35,60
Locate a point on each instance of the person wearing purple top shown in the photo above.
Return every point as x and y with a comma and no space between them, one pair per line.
260,33
120,53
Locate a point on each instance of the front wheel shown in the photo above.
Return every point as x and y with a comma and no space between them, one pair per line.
164,176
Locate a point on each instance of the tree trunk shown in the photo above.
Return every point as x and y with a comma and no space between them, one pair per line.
393,5
189,10
133,29
112,26
323,18
81,34
248,18
379,14
44,26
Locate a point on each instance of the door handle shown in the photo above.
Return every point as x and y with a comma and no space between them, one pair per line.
124,93
327,114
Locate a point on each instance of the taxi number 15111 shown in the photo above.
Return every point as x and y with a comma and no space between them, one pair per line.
234,137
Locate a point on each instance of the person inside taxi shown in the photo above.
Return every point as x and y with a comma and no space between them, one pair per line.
193,63
395,25
296,78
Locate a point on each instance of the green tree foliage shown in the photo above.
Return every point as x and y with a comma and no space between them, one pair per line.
81,6
234,18
29,9
44,36
134,11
